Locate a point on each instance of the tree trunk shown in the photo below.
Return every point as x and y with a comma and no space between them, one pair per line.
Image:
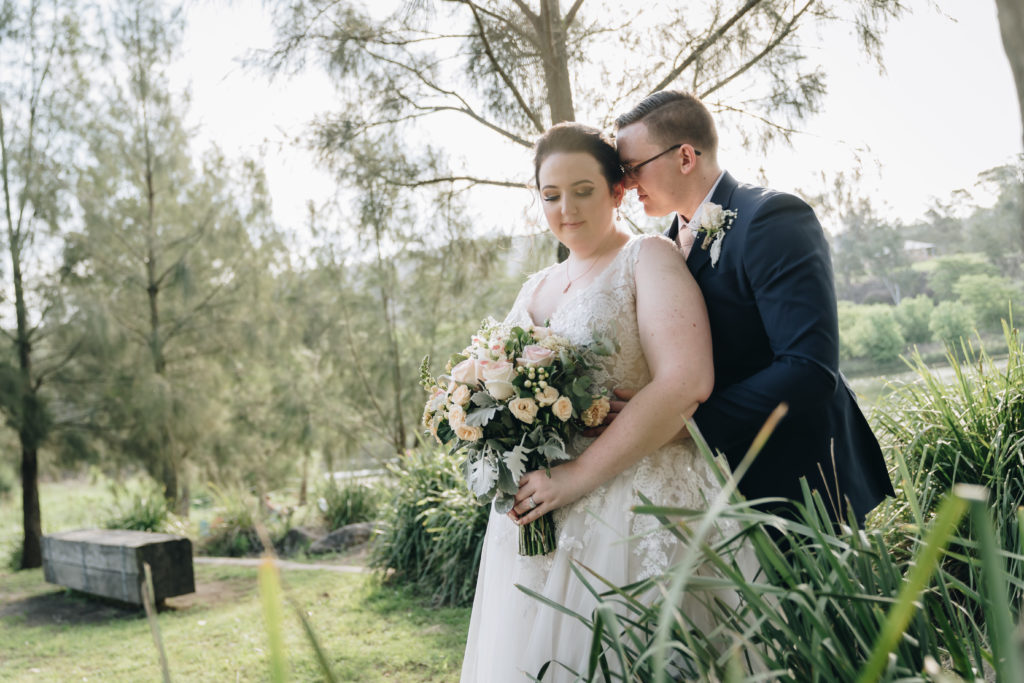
31,549
31,429
556,63
304,485
1011,25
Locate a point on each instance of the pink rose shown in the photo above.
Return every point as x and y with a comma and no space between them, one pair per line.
466,372
536,356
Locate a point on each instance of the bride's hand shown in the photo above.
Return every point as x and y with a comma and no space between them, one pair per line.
540,493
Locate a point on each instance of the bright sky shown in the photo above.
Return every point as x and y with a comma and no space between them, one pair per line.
945,110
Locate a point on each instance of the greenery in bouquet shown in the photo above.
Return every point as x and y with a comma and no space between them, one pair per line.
512,401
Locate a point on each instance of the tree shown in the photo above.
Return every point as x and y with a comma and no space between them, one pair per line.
516,68
1011,26
40,84
169,249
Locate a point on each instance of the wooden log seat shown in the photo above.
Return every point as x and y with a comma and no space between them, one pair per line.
108,562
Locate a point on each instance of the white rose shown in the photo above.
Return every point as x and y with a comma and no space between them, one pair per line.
562,408
547,396
497,369
500,390
536,356
524,409
469,433
713,216
541,333
461,395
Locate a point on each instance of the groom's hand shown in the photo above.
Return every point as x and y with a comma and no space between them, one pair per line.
616,407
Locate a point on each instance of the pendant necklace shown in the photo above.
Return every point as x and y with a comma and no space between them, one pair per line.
572,280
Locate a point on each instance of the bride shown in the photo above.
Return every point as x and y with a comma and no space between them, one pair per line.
638,291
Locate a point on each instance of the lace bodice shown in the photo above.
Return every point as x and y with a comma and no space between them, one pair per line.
607,305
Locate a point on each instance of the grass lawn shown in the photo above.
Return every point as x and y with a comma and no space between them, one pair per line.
370,632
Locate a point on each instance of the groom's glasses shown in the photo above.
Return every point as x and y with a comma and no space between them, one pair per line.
631,169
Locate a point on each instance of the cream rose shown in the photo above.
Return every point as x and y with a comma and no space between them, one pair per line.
562,408
467,372
536,356
456,417
469,433
596,413
524,409
461,395
541,333
546,396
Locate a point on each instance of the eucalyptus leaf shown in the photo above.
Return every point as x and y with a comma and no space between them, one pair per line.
481,416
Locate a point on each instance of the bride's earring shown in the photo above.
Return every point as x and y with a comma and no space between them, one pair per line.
618,214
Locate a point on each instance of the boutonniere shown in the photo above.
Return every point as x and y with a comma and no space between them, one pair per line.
714,222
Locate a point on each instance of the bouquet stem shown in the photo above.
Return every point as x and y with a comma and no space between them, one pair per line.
538,537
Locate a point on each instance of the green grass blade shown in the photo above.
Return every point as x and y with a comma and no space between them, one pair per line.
997,614
154,626
273,616
948,517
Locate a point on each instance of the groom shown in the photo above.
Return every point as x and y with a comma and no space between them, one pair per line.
762,263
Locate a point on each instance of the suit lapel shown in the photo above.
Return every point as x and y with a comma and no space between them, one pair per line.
700,258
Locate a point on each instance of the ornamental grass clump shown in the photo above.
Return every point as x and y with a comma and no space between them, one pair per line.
349,504
432,529
826,604
966,431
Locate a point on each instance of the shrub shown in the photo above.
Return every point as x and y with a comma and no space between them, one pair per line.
877,335
951,321
913,316
989,297
433,529
947,270
232,533
348,504
849,315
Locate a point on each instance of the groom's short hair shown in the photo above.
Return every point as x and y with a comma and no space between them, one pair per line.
673,116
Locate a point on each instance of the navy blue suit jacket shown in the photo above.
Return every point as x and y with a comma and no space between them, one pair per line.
774,329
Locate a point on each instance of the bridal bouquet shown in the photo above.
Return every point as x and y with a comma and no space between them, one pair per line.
511,401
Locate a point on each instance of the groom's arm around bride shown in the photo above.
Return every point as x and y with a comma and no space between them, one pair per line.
762,263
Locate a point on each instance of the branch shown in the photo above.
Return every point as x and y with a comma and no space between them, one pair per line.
465,109
530,114
42,374
570,16
708,42
453,179
512,26
786,31
771,124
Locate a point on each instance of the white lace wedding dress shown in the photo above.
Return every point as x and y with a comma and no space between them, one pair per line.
512,634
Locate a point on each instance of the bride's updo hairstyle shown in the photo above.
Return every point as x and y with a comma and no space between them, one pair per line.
576,137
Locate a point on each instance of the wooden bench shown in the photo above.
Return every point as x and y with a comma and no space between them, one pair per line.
108,562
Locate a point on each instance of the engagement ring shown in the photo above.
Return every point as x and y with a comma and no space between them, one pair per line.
531,502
